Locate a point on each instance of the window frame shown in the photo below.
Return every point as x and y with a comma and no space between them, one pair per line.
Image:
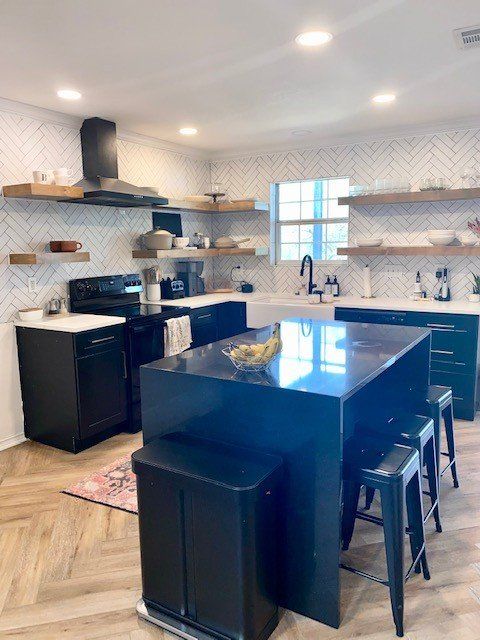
276,224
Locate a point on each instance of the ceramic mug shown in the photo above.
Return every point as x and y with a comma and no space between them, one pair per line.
43,177
62,176
59,246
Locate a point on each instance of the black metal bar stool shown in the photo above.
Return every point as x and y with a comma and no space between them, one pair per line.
417,432
395,471
439,400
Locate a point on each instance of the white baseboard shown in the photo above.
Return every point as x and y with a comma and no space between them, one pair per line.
11,441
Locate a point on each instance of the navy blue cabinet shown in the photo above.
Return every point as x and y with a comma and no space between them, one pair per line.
232,319
454,349
204,325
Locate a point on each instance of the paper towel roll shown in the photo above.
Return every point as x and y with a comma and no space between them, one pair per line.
367,282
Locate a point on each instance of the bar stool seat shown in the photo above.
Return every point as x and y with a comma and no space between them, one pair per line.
417,432
393,470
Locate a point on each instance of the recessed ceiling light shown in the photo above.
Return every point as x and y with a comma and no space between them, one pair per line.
313,38
69,94
382,98
301,132
188,131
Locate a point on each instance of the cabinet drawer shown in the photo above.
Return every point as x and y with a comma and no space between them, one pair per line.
88,342
447,322
458,349
463,389
203,315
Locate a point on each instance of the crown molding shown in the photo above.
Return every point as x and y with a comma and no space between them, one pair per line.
351,139
164,145
75,122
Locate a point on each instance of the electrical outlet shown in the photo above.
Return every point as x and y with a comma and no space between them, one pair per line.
394,271
32,285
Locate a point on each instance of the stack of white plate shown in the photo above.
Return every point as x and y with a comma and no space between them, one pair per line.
441,236
368,242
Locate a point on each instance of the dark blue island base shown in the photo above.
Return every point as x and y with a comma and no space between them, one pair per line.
328,377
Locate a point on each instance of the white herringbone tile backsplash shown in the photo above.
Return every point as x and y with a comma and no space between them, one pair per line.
444,155
109,234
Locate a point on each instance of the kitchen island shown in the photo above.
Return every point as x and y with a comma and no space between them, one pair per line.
328,377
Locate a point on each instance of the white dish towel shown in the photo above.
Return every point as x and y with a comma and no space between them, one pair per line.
178,335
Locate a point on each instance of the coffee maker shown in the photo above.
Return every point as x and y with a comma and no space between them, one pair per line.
190,274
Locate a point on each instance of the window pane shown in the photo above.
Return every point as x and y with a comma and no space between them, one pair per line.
306,248
308,190
336,232
308,210
336,210
330,250
289,192
338,187
289,211
306,233
289,252
289,233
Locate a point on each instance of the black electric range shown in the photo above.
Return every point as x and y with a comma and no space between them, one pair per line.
119,296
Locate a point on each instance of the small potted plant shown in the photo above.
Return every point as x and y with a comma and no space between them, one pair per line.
475,295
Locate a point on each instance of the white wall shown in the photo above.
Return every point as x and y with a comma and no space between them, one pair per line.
443,154
11,414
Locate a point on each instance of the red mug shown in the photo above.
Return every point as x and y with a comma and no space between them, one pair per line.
69,246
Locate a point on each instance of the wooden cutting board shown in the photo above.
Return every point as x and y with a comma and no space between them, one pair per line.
219,290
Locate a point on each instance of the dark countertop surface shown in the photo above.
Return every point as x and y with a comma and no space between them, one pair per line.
329,358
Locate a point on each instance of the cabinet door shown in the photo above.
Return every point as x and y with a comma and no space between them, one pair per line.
101,384
204,334
232,319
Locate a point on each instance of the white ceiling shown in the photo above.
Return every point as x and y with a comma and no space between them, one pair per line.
231,68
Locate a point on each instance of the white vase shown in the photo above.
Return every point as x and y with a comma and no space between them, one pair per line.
153,292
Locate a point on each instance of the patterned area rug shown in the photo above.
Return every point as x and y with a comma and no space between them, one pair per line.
113,485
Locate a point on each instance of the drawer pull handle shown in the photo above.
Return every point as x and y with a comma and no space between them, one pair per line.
457,398
440,326
463,364
98,340
447,353
206,315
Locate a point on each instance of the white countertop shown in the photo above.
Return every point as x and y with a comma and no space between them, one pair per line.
385,304
71,322
208,299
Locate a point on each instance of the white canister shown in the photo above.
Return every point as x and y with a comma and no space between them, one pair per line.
153,292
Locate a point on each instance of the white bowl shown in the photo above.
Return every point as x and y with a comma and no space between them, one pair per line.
368,242
30,314
197,199
441,232
468,239
441,240
181,243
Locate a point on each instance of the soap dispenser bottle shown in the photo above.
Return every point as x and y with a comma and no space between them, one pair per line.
335,287
328,287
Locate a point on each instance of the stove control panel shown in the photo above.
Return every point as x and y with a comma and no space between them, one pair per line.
104,286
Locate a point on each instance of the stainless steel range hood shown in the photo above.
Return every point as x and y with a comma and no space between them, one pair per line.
100,169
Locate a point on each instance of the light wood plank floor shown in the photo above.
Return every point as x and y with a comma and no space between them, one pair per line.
70,569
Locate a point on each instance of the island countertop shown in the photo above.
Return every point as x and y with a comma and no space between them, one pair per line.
328,358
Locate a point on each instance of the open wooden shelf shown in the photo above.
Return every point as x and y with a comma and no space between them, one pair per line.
436,195
199,253
37,191
218,207
410,250
48,258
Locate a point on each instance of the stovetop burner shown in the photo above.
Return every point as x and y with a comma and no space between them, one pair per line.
132,312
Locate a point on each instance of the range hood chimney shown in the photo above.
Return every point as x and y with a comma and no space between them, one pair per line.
100,169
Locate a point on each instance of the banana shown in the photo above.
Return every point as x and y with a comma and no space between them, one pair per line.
259,353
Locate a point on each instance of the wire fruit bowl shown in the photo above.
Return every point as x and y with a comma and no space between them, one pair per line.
245,365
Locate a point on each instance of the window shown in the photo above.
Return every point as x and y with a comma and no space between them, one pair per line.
308,219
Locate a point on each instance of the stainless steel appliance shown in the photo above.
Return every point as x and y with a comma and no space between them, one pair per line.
100,169
119,295
190,274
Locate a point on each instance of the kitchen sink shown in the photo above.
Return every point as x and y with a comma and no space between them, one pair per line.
269,309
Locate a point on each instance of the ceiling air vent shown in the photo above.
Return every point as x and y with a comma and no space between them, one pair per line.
468,37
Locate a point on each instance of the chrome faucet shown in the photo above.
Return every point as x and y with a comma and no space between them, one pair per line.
308,259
